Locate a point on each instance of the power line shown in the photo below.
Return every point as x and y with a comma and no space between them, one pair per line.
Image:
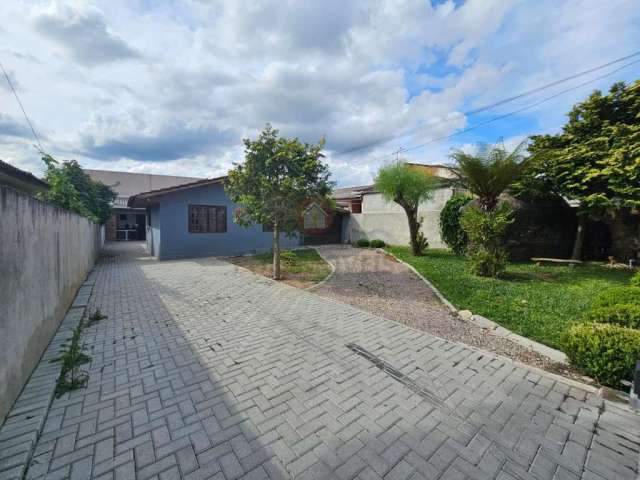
514,112
492,105
26,117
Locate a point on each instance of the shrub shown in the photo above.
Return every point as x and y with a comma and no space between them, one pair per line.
488,264
421,243
624,315
485,229
606,352
288,257
377,243
450,228
363,243
618,296
635,280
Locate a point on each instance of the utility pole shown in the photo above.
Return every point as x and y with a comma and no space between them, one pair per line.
397,152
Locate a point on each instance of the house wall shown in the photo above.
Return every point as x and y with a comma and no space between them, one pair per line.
388,221
153,231
45,255
177,242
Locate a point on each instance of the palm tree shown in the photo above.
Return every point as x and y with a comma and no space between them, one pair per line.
489,172
487,175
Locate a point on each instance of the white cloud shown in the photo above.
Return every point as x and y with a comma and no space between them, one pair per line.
174,86
81,31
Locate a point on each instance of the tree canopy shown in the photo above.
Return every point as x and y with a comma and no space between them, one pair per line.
594,161
407,186
596,158
489,172
71,188
277,179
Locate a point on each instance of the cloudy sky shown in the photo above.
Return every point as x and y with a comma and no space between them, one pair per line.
173,86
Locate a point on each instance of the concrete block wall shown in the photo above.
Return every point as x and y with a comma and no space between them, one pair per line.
45,255
387,220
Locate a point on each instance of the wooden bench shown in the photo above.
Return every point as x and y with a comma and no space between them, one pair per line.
560,261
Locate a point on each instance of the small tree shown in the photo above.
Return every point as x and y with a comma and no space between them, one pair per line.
71,188
279,175
407,187
487,175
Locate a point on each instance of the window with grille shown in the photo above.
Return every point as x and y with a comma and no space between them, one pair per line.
207,219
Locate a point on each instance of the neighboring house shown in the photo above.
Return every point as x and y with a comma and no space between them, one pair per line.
197,220
20,180
128,223
371,216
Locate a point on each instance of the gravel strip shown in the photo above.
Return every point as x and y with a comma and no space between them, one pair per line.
376,282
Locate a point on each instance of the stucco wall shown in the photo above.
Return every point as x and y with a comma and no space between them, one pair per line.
45,254
153,231
177,242
388,221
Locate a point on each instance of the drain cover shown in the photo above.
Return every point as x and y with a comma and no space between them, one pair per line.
397,375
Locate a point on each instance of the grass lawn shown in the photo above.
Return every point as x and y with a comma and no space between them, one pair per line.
536,302
306,270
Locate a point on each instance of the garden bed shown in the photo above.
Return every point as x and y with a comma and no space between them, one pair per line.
306,270
538,302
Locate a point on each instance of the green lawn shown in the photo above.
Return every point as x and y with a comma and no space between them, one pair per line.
536,302
307,269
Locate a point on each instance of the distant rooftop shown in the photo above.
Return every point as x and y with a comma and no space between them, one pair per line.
21,179
127,184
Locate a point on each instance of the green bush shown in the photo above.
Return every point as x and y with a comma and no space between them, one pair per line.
377,243
450,228
635,280
288,257
488,264
606,352
624,315
362,243
485,229
421,242
618,296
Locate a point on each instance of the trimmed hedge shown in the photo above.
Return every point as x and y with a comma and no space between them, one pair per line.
618,296
624,315
377,243
606,352
362,243
451,231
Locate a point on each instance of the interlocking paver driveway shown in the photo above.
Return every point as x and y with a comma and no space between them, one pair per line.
203,370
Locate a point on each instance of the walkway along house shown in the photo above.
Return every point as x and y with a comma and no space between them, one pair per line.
128,223
196,220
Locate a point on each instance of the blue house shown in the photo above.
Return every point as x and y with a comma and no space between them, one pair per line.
196,220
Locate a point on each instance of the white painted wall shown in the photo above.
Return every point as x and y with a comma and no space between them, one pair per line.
387,220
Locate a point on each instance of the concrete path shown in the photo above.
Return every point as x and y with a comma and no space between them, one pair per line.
203,370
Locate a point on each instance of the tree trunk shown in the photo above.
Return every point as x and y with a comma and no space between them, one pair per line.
276,251
578,242
414,227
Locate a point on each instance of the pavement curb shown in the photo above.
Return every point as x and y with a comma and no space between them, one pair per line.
560,378
23,425
328,277
483,322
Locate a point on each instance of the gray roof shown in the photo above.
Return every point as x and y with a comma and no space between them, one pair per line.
352,192
21,179
126,184
144,199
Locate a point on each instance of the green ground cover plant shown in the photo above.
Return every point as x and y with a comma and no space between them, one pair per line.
538,302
